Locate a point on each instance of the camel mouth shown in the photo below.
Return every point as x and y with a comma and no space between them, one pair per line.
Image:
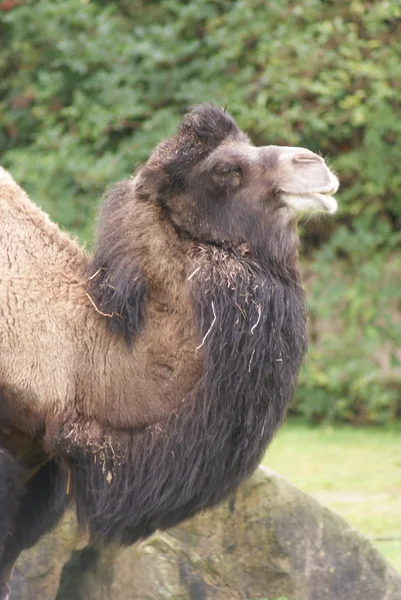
306,183
310,201
326,201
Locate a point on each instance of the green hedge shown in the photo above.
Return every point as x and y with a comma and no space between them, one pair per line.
88,88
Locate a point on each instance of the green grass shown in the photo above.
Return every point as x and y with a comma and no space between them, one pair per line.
355,472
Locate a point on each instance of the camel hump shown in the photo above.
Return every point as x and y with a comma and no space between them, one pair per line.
6,178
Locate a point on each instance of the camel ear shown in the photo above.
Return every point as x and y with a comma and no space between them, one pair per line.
116,285
210,125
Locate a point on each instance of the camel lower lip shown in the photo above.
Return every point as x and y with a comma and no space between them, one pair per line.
311,202
326,201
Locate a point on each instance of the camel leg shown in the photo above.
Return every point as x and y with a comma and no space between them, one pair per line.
5,591
40,508
11,491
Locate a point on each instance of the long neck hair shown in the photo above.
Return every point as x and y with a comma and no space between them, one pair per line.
251,324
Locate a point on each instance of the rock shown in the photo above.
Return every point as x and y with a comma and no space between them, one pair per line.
270,540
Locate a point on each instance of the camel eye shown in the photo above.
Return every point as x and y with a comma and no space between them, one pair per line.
227,173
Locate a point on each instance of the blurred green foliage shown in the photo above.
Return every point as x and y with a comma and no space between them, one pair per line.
87,88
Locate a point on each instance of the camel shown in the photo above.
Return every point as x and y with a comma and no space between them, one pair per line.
143,383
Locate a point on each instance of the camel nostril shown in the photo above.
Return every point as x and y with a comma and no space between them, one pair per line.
306,157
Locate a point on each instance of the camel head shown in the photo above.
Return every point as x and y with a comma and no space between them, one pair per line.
217,187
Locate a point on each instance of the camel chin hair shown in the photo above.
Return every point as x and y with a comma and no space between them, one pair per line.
143,383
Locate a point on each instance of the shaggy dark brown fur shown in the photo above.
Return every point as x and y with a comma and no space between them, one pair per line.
216,437
178,344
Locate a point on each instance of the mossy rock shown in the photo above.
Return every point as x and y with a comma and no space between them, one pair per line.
269,540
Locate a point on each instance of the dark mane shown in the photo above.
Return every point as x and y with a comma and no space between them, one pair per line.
252,327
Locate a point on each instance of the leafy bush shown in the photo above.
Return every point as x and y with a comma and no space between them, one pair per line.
353,370
89,87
